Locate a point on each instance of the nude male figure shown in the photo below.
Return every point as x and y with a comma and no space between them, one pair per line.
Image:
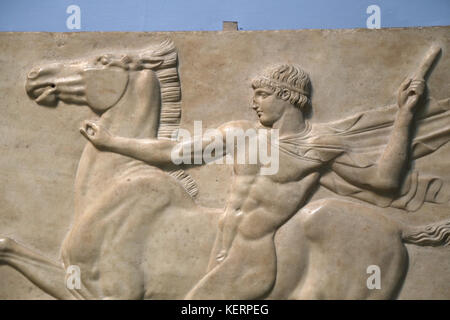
243,260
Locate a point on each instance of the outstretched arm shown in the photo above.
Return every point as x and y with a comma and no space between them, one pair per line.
386,175
155,152
162,152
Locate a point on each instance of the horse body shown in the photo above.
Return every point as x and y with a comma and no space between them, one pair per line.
137,233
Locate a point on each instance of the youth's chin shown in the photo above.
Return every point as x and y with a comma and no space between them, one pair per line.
266,122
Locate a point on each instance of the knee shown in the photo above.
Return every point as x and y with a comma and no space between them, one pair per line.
258,283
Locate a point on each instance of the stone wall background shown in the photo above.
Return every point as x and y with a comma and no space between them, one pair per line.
351,71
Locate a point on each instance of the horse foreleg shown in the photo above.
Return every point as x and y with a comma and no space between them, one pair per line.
46,274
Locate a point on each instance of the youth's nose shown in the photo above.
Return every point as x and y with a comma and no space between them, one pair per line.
254,104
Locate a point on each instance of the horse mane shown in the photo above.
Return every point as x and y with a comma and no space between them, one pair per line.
167,73
170,115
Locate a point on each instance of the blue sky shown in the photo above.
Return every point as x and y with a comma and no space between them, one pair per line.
180,15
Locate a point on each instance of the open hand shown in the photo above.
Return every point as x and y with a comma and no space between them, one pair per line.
96,133
411,90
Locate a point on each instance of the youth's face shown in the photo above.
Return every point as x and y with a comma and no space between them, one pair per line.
268,106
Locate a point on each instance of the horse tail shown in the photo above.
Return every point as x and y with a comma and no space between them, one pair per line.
434,234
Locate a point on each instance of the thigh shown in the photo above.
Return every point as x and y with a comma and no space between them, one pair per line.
248,272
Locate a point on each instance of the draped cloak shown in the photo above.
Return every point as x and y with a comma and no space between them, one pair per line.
359,141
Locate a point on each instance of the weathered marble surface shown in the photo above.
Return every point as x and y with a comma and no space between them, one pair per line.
351,71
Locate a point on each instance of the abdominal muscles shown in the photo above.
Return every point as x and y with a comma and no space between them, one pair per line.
270,204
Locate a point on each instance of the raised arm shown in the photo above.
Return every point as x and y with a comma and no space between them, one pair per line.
386,174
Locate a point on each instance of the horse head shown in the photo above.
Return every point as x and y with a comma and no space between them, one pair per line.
101,81
98,82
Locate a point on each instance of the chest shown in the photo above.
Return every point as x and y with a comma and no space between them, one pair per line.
292,168
282,168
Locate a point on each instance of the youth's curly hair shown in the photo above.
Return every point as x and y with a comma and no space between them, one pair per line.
288,82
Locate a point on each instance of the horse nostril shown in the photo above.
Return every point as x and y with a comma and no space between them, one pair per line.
53,85
34,73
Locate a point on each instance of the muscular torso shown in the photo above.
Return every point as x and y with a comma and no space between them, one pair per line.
262,203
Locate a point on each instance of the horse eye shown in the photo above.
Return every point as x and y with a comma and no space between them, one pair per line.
104,60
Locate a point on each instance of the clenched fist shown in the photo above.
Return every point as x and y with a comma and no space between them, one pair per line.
411,90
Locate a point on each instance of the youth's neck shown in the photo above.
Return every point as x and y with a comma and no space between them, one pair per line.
290,123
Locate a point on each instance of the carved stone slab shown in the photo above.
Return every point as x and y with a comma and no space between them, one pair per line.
357,208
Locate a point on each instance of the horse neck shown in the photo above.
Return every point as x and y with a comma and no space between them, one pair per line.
136,115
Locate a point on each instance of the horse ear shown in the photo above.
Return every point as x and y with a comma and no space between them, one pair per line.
151,62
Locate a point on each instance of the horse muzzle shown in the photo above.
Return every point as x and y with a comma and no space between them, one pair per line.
43,94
